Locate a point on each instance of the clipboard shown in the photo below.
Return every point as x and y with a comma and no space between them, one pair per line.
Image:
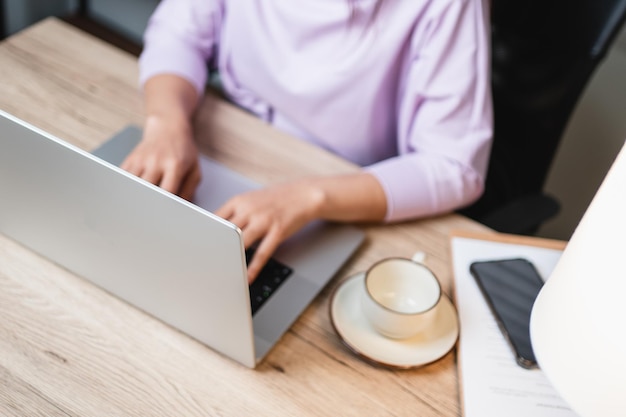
491,384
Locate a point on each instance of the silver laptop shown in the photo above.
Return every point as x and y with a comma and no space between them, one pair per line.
167,256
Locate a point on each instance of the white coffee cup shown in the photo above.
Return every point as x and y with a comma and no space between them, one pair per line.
400,297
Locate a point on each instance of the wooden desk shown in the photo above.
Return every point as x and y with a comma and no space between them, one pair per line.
68,348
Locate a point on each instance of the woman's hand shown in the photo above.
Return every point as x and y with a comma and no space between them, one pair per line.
167,156
271,215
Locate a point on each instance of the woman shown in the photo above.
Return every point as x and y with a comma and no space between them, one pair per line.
400,87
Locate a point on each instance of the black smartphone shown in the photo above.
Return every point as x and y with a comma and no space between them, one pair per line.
510,287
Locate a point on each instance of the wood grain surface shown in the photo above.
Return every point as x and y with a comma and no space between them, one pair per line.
68,348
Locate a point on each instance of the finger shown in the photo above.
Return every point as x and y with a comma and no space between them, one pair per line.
127,165
254,231
226,211
191,182
131,167
262,254
233,212
172,179
242,220
151,174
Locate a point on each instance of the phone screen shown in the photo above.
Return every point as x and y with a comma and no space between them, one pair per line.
510,287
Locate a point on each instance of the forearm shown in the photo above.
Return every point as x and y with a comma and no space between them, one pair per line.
270,215
170,97
167,154
350,198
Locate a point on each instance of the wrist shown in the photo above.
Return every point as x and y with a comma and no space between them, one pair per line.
318,199
168,96
177,125
352,197
172,119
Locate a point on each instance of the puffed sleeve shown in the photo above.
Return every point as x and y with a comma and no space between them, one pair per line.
444,117
181,37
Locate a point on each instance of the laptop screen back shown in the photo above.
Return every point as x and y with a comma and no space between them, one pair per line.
158,252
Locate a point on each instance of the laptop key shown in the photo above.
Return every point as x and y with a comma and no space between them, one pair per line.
271,277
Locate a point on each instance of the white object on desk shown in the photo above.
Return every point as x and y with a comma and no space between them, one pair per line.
492,384
354,330
578,323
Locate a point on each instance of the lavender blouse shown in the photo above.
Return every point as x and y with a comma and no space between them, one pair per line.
404,93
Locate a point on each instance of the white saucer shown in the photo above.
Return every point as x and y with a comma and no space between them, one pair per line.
355,331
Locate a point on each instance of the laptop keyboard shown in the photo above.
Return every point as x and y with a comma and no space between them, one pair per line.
269,279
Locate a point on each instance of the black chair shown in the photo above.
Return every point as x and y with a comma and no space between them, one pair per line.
544,52
3,28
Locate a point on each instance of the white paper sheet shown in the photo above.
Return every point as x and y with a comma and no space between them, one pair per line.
493,385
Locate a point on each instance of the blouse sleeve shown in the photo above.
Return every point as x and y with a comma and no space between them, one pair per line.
181,37
444,116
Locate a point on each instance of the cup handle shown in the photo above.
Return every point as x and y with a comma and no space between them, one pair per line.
419,257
